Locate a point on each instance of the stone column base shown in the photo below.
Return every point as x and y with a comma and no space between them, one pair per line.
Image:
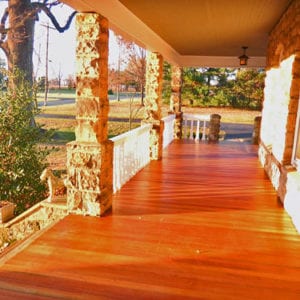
178,126
256,130
214,128
156,139
89,178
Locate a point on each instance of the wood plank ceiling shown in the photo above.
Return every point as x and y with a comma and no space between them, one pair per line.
191,32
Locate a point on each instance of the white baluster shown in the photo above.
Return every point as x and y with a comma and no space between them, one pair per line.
197,131
192,129
185,128
131,153
168,134
204,131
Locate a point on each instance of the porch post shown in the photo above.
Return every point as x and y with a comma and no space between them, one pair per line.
153,100
175,100
89,158
256,130
214,127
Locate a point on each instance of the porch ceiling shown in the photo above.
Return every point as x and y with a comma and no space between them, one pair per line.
193,32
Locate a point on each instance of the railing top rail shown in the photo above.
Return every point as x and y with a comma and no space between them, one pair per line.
127,135
200,117
169,118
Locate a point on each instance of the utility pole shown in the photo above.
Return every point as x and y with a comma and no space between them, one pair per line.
46,66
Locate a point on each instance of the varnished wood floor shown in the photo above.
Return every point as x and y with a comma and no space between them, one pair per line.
204,223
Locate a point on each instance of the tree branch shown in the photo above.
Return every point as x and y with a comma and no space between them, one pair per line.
3,30
4,47
42,7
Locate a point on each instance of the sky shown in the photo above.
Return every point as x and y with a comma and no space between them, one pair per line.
61,45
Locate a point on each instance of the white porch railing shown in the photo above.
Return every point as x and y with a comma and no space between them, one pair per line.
168,134
131,154
192,124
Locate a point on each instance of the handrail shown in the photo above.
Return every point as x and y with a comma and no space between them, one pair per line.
168,134
131,154
188,123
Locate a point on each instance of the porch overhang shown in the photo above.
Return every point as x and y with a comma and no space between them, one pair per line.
205,33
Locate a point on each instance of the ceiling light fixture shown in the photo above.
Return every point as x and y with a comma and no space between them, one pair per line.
244,58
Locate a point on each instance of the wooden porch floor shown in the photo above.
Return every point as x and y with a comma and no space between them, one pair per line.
203,223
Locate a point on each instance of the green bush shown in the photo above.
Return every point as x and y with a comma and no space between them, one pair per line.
220,99
21,158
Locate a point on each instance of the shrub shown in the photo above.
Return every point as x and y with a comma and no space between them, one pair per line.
21,157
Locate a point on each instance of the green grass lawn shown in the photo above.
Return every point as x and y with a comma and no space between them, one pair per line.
63,136
121,109
56,94
63,129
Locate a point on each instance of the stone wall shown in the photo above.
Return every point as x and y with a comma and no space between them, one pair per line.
36,218
277,122
283,82
281,100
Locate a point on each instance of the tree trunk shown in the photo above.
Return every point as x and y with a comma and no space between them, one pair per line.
20,39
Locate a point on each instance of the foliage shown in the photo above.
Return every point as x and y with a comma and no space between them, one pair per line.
41,82
131,69
2,71
21,159
136,69
247,90
166,89
193,83
222,87
71,82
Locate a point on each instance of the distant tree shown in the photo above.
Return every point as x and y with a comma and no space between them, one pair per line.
132,59
112,79
122,58
59,77
117,80
70,82
241,88
209,76
166,89
136,69
224,76
247,89
41,83
193,82
17,37
222,87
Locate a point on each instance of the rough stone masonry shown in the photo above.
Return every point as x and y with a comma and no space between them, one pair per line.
90,157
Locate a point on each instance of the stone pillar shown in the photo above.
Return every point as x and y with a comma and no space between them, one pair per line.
256,130
153,100
214,127
175,100
89,158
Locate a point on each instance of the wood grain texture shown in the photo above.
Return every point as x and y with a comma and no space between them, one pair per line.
203,223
